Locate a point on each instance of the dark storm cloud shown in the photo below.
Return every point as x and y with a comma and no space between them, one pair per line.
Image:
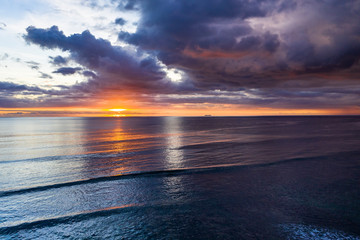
215,42
67,70
281,52
210,40
230,49
176,25
328,41
115,66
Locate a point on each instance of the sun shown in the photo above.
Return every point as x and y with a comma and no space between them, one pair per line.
117,112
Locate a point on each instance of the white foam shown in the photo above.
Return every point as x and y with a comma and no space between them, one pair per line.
311,232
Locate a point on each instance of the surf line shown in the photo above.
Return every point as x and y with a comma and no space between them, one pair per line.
165,173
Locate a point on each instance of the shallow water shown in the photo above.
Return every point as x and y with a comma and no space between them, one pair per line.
180,178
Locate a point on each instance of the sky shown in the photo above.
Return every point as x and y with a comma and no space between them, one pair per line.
179,58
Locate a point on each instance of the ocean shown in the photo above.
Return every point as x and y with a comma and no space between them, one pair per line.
180,178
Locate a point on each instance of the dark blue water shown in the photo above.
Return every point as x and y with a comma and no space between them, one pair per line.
180,178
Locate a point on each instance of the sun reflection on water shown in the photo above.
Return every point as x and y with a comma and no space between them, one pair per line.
174,156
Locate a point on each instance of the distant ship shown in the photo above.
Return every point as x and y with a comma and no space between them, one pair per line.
207,115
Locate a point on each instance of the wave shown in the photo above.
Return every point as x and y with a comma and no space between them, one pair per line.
85,215
228,143
312,232
80,157
173,172
233,143
73,217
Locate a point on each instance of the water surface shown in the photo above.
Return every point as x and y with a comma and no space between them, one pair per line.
180,178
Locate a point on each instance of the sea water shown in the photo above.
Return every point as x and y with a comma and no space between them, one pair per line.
180,178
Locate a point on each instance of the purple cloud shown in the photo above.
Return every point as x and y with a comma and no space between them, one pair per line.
58,60
266,50
67,70
115,66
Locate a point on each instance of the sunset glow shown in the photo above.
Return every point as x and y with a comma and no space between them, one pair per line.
177,110
136,58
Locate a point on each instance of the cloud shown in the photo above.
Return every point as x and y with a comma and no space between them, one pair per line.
253,52
13,95
115,66
45,75
89,74
128,5
13,87
58,60
120,21
10,92
33,65
4,56
233,43
2,26
67,70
